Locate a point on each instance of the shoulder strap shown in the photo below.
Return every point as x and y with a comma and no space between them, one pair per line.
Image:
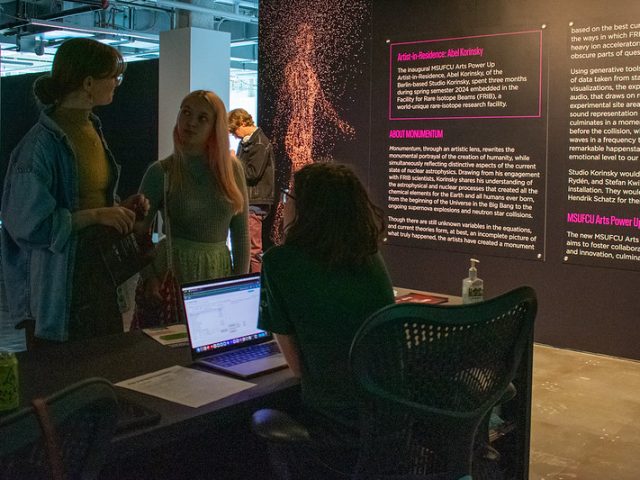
51,443
167,223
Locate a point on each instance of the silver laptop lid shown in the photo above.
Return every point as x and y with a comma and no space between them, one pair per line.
222,314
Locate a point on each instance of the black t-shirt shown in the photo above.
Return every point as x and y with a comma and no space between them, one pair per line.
323,309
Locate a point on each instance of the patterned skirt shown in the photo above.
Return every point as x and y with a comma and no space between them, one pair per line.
196,261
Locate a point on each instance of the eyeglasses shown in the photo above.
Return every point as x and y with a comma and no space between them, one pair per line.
285,195
119,79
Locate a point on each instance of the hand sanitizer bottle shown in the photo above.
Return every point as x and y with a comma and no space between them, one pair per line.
472,286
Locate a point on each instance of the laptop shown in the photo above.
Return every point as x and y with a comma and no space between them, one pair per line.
221,317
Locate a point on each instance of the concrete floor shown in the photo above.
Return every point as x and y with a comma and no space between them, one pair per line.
585,416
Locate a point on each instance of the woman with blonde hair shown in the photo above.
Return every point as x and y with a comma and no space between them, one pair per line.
206,197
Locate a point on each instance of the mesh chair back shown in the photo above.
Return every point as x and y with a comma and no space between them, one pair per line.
428,374
84,416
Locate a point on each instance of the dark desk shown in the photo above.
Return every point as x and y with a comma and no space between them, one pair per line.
128,355
120,357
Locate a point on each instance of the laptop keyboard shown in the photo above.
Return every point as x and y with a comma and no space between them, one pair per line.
245,355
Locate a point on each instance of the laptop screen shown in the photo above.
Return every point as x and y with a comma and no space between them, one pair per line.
222,314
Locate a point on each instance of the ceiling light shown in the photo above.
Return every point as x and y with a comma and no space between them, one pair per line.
95,30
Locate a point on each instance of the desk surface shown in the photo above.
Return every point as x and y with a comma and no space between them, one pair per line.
119,357
128,355
452,299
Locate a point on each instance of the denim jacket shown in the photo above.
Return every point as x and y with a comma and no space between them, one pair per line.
38,244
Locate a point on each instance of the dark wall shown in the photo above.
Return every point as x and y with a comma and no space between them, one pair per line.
18,111
586,307
581,307
130,123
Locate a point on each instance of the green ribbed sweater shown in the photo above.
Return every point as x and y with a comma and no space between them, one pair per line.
198,211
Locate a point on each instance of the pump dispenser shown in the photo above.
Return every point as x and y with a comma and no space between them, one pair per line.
472,286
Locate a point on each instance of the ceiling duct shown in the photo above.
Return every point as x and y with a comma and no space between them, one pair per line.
12,28
133,26
200,6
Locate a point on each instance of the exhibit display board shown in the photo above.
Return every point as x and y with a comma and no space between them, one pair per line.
504,130
603,136
464,141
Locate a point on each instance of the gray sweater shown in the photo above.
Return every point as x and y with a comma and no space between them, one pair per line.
199,212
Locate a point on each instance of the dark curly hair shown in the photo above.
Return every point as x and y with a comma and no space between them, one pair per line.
335,221
75,60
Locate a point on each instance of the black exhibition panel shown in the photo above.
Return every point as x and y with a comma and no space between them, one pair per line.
506,131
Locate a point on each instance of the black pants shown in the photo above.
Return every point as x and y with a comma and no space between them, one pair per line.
331,454
94,301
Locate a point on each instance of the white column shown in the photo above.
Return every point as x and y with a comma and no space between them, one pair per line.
190,59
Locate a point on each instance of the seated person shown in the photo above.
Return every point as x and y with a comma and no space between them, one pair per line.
321,285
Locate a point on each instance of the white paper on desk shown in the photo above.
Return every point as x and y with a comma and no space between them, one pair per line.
186,386
171,335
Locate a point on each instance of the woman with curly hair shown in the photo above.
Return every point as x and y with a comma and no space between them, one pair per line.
322,284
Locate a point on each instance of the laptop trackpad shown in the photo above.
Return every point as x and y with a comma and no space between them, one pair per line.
252,368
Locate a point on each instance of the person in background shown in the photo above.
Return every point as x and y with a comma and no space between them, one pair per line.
256,155
321,285
206,197
60,184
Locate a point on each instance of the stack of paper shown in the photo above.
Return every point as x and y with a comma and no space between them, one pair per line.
172,335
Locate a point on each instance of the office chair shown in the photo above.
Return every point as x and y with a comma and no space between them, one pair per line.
428,375
64,436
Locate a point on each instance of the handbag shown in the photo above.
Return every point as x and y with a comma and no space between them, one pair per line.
122,255
149,313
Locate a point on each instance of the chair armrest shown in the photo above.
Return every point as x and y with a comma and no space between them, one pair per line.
276,426
508,394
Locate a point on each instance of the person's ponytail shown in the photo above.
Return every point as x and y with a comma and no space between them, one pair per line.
45,90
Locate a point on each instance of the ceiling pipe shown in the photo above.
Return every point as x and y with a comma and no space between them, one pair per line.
210,11
103,4
119,32
143,6
49,16
6,61
237,3
97,30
